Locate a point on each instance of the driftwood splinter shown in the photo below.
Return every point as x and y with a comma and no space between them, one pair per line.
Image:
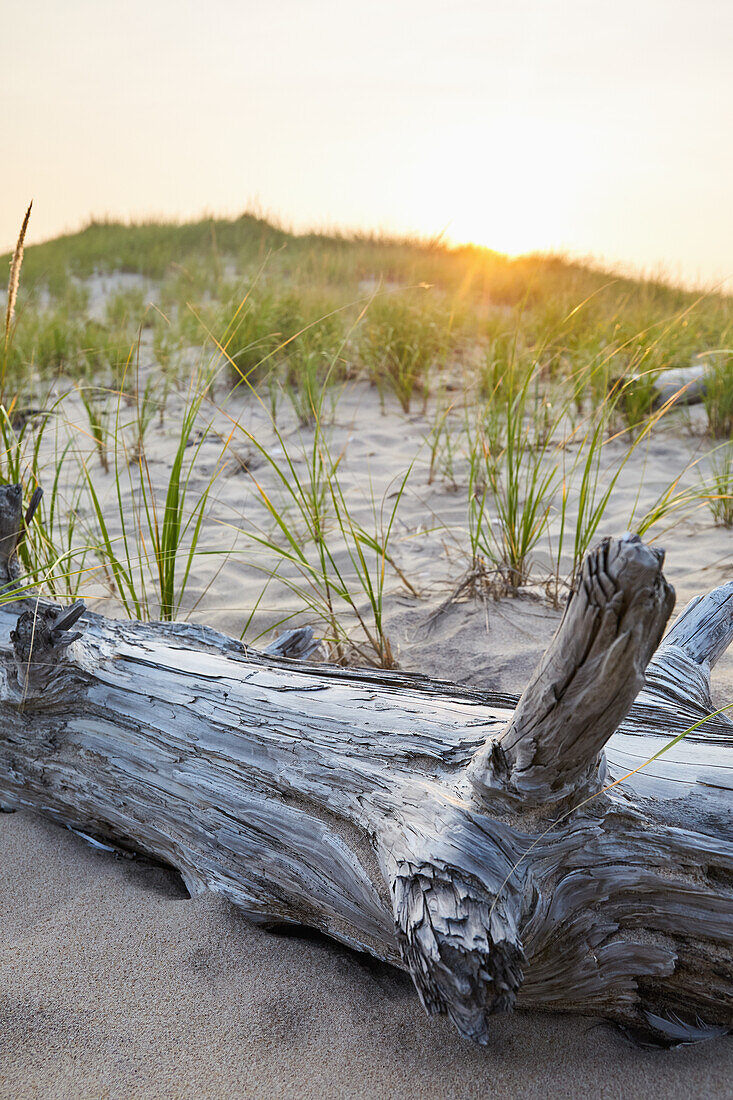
464,836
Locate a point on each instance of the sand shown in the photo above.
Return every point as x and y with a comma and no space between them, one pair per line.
114,984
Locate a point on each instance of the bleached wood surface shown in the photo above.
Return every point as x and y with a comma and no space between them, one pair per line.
446,830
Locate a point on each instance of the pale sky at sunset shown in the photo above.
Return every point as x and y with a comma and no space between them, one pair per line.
597,128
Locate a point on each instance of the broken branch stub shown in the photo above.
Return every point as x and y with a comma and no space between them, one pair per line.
11,531
40,639
585,683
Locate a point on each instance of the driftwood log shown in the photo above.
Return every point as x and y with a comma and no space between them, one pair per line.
469,838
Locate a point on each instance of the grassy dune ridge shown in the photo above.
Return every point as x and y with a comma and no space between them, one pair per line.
149,369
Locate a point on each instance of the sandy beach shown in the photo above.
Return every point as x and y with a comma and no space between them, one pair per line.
113,983
366,426
116,986
402,334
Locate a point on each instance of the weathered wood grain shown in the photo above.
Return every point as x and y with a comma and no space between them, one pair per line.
343,799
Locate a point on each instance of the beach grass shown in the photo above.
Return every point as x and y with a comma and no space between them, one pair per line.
536,382
718,487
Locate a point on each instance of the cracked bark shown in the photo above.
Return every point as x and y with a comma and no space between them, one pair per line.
451,832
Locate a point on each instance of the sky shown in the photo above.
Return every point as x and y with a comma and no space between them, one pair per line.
599,129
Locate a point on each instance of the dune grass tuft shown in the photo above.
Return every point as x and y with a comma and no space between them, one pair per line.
534,382
718,488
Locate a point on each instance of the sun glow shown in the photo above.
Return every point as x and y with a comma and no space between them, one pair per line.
520,127
501,187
